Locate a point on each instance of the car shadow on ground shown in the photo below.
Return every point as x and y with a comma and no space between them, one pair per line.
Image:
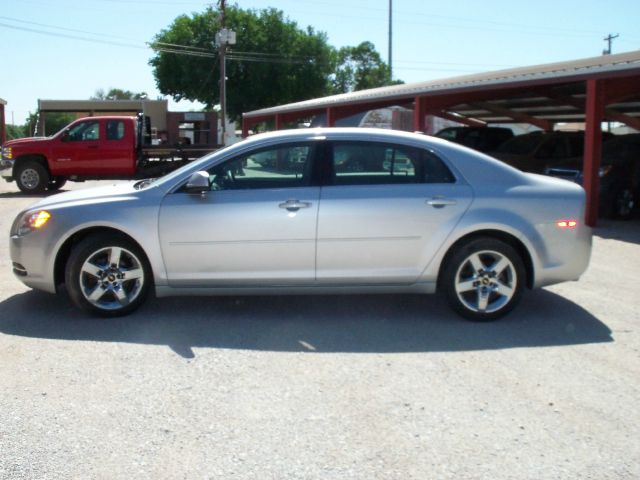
19,194
349,323
623,230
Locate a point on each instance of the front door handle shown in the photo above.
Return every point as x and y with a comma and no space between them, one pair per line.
293,205
93,146
439,202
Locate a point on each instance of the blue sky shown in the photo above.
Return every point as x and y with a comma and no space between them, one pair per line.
431,39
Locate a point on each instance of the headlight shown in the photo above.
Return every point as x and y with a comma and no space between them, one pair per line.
30,222
7,153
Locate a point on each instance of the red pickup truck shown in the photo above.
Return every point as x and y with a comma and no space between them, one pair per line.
91,148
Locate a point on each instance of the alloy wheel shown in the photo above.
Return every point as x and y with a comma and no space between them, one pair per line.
485,281
111,278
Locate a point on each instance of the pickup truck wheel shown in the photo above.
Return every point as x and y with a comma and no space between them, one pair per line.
32,177
623,203
483,279
108,276
56,183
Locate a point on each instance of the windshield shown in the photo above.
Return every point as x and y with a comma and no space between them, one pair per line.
626,147
520,145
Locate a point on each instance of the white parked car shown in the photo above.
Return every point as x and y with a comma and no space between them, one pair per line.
451,219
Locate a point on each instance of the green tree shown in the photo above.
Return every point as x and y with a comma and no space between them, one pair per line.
117,94
273,62
15,131
54,122
359,68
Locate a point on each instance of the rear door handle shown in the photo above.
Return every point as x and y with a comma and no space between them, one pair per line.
439,202
92,146
293,205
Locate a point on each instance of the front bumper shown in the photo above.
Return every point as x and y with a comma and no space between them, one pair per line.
6,169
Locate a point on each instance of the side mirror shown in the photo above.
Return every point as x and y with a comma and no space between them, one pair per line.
65,135
198,183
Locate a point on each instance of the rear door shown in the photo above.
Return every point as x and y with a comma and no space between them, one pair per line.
119,146
385,212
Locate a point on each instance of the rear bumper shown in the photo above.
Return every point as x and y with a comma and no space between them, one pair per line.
566,255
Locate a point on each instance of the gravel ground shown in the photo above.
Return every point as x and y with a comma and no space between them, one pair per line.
336,387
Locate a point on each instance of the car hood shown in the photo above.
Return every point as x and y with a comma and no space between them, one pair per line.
90,196
26,140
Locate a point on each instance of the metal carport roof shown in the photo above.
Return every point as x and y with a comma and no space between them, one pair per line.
519,90
590,90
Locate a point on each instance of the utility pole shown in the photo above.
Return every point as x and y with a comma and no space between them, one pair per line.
391,39
609,38
223,73
224,37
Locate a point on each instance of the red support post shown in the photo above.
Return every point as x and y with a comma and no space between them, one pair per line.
245,128
593,147
279,121
419,112
3,127
331,118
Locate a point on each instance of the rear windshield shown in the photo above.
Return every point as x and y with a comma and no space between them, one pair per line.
622,148
520,145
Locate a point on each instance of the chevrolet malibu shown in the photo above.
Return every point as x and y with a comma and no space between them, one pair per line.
445,218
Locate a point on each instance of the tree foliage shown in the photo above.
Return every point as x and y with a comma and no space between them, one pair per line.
53,121
275,61
117,94
15,131
359,68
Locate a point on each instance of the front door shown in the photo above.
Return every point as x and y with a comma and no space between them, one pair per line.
77,151
256,225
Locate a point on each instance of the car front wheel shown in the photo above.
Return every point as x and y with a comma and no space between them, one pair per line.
483,279
107,275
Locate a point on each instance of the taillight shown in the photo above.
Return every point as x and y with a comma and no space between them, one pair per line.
566,223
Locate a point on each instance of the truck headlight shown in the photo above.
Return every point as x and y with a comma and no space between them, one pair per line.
7,153
30,222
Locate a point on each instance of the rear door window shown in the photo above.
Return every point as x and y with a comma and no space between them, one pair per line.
115,130
367,163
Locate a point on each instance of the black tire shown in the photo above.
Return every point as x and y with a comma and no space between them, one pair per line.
623,204
56,183
32,177
476,290
90,271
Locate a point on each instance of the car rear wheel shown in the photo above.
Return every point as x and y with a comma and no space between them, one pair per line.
107,275
483,279
31,177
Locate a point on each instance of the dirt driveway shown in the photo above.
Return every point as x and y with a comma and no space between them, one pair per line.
357,387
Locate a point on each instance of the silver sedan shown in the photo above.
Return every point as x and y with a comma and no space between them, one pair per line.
312,211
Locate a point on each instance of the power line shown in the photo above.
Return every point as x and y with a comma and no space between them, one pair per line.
63,28
72,37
